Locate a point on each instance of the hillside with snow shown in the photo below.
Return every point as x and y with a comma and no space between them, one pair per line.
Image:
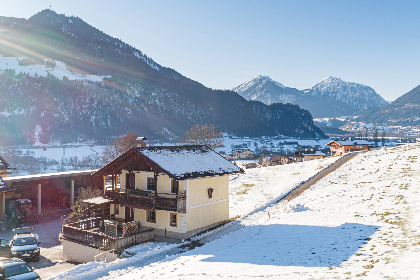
63,80
404,111
361,220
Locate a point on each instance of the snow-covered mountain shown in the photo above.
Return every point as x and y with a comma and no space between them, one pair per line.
356,95
266,90
329,98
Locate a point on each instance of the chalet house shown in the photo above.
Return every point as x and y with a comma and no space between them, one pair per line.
168,191
338,147
270,160
243,153
307,155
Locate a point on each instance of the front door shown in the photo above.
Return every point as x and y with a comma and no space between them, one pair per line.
129,214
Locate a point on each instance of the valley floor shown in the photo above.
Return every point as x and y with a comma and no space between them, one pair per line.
361,220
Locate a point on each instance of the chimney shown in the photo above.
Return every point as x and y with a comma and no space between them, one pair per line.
141,142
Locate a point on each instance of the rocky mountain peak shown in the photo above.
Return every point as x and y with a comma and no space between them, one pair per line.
258,81
359,95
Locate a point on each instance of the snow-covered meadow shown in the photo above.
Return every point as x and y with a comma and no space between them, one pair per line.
58,69
362,220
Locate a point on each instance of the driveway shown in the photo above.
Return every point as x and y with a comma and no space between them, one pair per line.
51,261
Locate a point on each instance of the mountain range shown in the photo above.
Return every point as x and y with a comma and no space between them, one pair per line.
62,80
331,97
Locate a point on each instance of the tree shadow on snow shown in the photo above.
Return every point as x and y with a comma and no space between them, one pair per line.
292,245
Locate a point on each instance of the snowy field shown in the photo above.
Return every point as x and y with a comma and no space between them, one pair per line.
268,143
363,220
59,153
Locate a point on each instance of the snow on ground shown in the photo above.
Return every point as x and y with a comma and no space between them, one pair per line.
361,220
59,70
94,270
259,186
248,192
59,153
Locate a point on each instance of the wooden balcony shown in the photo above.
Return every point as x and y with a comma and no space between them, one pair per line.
89,232
147,201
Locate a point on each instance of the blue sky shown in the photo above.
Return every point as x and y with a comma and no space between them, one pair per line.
298,43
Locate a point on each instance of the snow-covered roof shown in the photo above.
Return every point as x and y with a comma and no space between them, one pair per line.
350,142
313,153
3,163
3,184
182,162
48,175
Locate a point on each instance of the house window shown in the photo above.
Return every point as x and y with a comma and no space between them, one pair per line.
116,209
130,181
172,220
151,184
174,186
151,216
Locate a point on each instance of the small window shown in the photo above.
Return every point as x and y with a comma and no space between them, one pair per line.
151,184
173,222
174,186
116,209
151,216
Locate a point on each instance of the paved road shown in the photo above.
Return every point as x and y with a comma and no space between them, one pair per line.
51,261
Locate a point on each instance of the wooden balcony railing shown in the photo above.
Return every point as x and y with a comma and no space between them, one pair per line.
78,232
146,201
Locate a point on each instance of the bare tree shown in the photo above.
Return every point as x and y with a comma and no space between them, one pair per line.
204,135
119,146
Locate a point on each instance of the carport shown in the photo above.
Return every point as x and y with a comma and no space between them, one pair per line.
51,189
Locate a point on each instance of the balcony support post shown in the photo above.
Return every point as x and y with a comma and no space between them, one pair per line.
113,181
155,175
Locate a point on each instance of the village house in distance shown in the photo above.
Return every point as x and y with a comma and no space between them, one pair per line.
174,191
242,154
307,155
340,147
271,160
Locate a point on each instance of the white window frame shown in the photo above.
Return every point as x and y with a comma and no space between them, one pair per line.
170,220
147,217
